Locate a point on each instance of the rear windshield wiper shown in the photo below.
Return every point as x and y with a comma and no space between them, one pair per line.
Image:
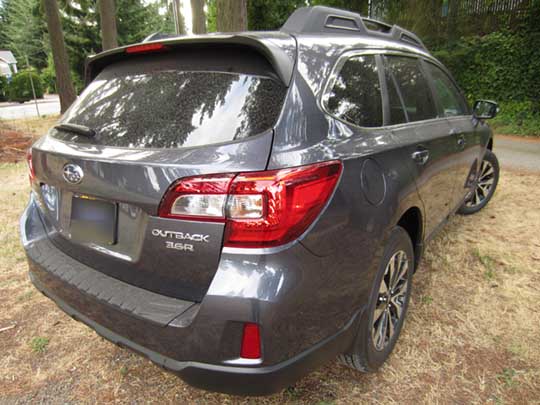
76,129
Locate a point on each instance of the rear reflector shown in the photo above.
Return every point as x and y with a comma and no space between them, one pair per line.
251,342
145,48
260,209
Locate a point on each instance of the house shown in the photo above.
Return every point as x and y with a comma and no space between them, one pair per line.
8,64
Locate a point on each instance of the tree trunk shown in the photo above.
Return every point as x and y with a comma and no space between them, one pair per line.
107,14
198,17
231,15
179,24
61,63
452,28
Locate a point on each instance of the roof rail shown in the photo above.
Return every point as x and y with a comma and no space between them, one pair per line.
320,19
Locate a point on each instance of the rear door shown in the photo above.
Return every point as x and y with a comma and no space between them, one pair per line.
424,138
156,118
452,105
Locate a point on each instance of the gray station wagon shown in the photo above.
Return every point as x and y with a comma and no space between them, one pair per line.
242,208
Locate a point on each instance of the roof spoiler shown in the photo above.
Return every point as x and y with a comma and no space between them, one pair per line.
320,19
282,63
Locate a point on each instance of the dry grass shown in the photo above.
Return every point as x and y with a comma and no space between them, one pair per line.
472,335
34,126
16,136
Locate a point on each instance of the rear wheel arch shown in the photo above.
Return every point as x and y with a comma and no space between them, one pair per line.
412,221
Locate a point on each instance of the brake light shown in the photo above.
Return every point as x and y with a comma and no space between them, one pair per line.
31,172
251,342
146,48
260,209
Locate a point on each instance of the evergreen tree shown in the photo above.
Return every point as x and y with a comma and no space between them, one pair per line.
61,62
107,14
231,15
22,31
270,15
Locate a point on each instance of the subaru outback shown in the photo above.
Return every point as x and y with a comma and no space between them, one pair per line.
241,208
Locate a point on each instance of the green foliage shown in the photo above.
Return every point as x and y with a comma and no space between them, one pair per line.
211,16
502,66
22,31
518,118
270,15
82,32
39,344
20,88
3,88
48,77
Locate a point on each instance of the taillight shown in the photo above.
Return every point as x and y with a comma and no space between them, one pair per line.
31,173
251,342
197,198
261,209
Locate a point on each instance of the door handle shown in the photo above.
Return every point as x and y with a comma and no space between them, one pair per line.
420,156
461,141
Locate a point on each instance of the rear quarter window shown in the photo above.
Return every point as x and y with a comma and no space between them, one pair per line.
166,103
355,96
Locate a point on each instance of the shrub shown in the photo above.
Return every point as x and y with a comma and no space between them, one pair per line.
48,78
518,118
3,88
20,88
501,66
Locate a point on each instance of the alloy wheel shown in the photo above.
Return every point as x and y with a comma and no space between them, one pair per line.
390,300
484,184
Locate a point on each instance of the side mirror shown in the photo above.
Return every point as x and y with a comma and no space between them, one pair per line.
485,109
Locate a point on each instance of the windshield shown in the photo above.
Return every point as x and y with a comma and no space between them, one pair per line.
157,105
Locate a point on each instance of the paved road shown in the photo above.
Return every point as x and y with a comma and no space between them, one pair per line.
47,106
518,153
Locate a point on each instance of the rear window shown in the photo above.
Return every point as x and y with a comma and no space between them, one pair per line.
170,101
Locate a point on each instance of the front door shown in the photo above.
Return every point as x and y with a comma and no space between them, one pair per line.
466,141
425,140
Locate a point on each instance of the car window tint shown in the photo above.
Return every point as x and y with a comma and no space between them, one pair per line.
175,101
356,95
413,87
397,113
447,93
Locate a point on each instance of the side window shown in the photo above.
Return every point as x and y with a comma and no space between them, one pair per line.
413,87
397,113
356,95
447,93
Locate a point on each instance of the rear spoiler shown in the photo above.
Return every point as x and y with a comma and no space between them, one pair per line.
281,61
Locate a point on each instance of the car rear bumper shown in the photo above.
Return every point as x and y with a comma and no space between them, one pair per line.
198,341
227,379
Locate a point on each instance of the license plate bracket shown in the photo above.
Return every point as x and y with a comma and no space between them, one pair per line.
93,220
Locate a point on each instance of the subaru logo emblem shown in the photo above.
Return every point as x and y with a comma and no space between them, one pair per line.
73,174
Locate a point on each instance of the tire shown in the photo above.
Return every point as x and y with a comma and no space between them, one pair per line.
485,186
367,354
